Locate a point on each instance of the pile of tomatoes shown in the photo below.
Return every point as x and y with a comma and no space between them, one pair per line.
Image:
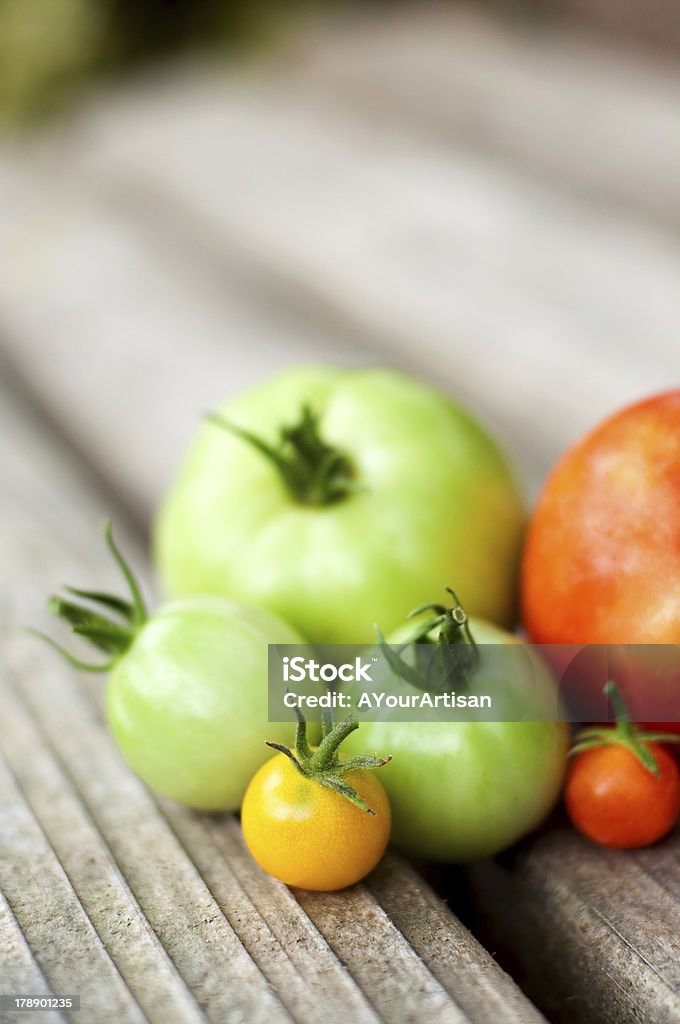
325,501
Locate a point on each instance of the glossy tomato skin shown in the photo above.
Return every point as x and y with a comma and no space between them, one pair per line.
436,500
309,836
463,790
615,801
602,554
187,703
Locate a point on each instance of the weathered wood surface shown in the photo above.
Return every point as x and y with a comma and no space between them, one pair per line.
148,911
646,22
184,236
298,227
593,116
594,935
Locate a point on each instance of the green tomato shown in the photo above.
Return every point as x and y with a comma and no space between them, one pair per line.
346,516
187,702
187,689
463,790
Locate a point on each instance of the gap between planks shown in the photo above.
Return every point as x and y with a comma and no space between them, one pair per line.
593,934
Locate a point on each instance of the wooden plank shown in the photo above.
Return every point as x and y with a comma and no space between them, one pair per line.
637,21
20,972
527,303
600,119
593,934
205,920
352,923
102,309
442,942
100,887
277,933
424,920
62,939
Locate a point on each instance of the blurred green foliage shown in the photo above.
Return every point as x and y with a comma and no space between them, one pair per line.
50,48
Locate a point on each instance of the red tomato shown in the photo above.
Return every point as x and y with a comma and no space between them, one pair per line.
601,562
615,801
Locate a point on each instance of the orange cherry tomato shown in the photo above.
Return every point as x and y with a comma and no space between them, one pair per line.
615,801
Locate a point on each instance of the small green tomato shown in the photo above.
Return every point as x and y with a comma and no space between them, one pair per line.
460,790
187,690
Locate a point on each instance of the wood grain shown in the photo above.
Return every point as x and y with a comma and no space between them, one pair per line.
425,922
597,118
261,221
593,934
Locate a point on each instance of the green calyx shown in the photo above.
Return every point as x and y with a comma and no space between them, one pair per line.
624,732
314,472
445,652
110,630
323,765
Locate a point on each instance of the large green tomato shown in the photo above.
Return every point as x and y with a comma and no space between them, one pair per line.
468,789
187,697
344,516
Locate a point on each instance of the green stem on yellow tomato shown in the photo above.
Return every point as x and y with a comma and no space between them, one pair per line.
323,765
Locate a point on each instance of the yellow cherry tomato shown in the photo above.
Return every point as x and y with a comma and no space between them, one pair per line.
308,834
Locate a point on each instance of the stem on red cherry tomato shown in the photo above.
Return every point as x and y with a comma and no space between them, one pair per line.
624,732
112,632
323,765
454,660
314,472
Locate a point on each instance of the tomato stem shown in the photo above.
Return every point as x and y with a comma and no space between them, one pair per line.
314,472
112,630
323,765
625,732
452,661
